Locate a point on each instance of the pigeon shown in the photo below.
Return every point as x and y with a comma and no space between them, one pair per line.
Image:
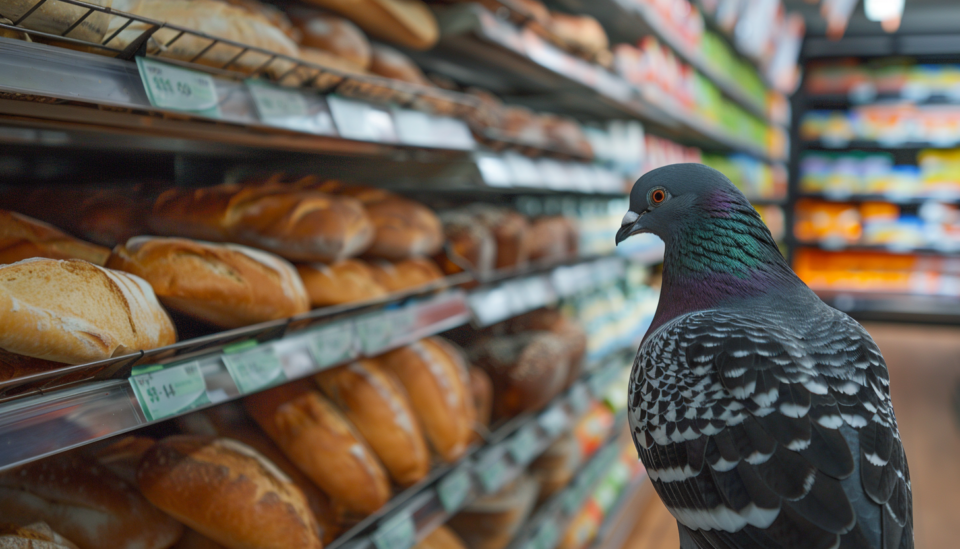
762,415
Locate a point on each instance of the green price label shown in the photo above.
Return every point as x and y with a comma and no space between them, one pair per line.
548,535
493,474
170,391
397,532
254,369
333,344
375,332
454,489
523,445
278,106
179,89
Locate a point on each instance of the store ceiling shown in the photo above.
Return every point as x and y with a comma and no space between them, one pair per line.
919,17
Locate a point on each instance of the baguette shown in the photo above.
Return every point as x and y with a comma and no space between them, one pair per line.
22,237
228,492
224,284
373,400
408,23
75,312
346,281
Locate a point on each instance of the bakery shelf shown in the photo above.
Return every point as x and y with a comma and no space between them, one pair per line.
508,450
888,198
843,246
629,21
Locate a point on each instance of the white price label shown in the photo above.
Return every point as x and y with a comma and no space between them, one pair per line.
579,399
493,472
170,391
421,129
375,332
553,421
278,106
454,489
362,121
179,89
494,171
523,445
333,344
398,532
253,367
548,534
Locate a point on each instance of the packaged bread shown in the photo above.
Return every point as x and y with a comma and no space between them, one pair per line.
553,320
434,374
324,445
527,370
55,17
408,23
229,420
332,34
469,244
228,492
86,503
406,274
297,224
492,521
375,402
73,312
511,231
481,391
220,19
226,285
390,63
346,281
22,237
441,538
37,535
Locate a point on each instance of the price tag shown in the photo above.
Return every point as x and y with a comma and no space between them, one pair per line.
494,171
421,129
398,532
333,344
253,367
170,391
278,106
523,445
548,534
553,421
579,399
493,472
573,498
404,322
524,170
362,121
375,332
179,89
454,489
491,306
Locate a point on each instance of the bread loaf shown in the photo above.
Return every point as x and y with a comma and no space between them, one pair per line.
346,281
374,401
38,535
553,320
481,390
228,492
492,521
510,229
527,370
55,17
224,284
408,23
434,374
191,539
565,134
333,34
298,224
85,503
406,274
22,237
75,312
549,239
111,218
328,60
441,538
390,63
323,444
122,458
468,243
578,33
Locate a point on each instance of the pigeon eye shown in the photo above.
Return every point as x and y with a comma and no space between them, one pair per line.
657,196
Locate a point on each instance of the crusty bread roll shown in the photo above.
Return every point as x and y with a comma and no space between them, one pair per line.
374,401
346,281
468,242
578,33
527,370
332,34
390,63
481,389
408,23
75,312
22,237
38,535
224,284
228,492
322,443
56,17
111,218
86,503
406,274
441,538
434,374
229,420
298,224
553,320
510,229
123,457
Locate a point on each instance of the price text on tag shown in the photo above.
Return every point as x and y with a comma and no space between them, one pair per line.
179,89
454,489
398,532
254,368
277,106
170,391
333,344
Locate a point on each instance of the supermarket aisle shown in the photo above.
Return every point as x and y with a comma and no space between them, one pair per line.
924,363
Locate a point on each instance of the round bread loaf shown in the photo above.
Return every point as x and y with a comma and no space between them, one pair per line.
346,281
510,229
553,320
322,443
228,492
22,237
527,370
86,503
549,239
468,242
333,34
38,535
434,374
75,312
406,274
374,401
390,63
224,284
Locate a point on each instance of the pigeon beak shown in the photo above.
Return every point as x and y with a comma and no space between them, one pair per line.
630,226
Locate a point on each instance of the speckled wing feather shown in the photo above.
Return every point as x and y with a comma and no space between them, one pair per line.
760,430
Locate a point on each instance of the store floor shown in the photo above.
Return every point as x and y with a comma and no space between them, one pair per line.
924,363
